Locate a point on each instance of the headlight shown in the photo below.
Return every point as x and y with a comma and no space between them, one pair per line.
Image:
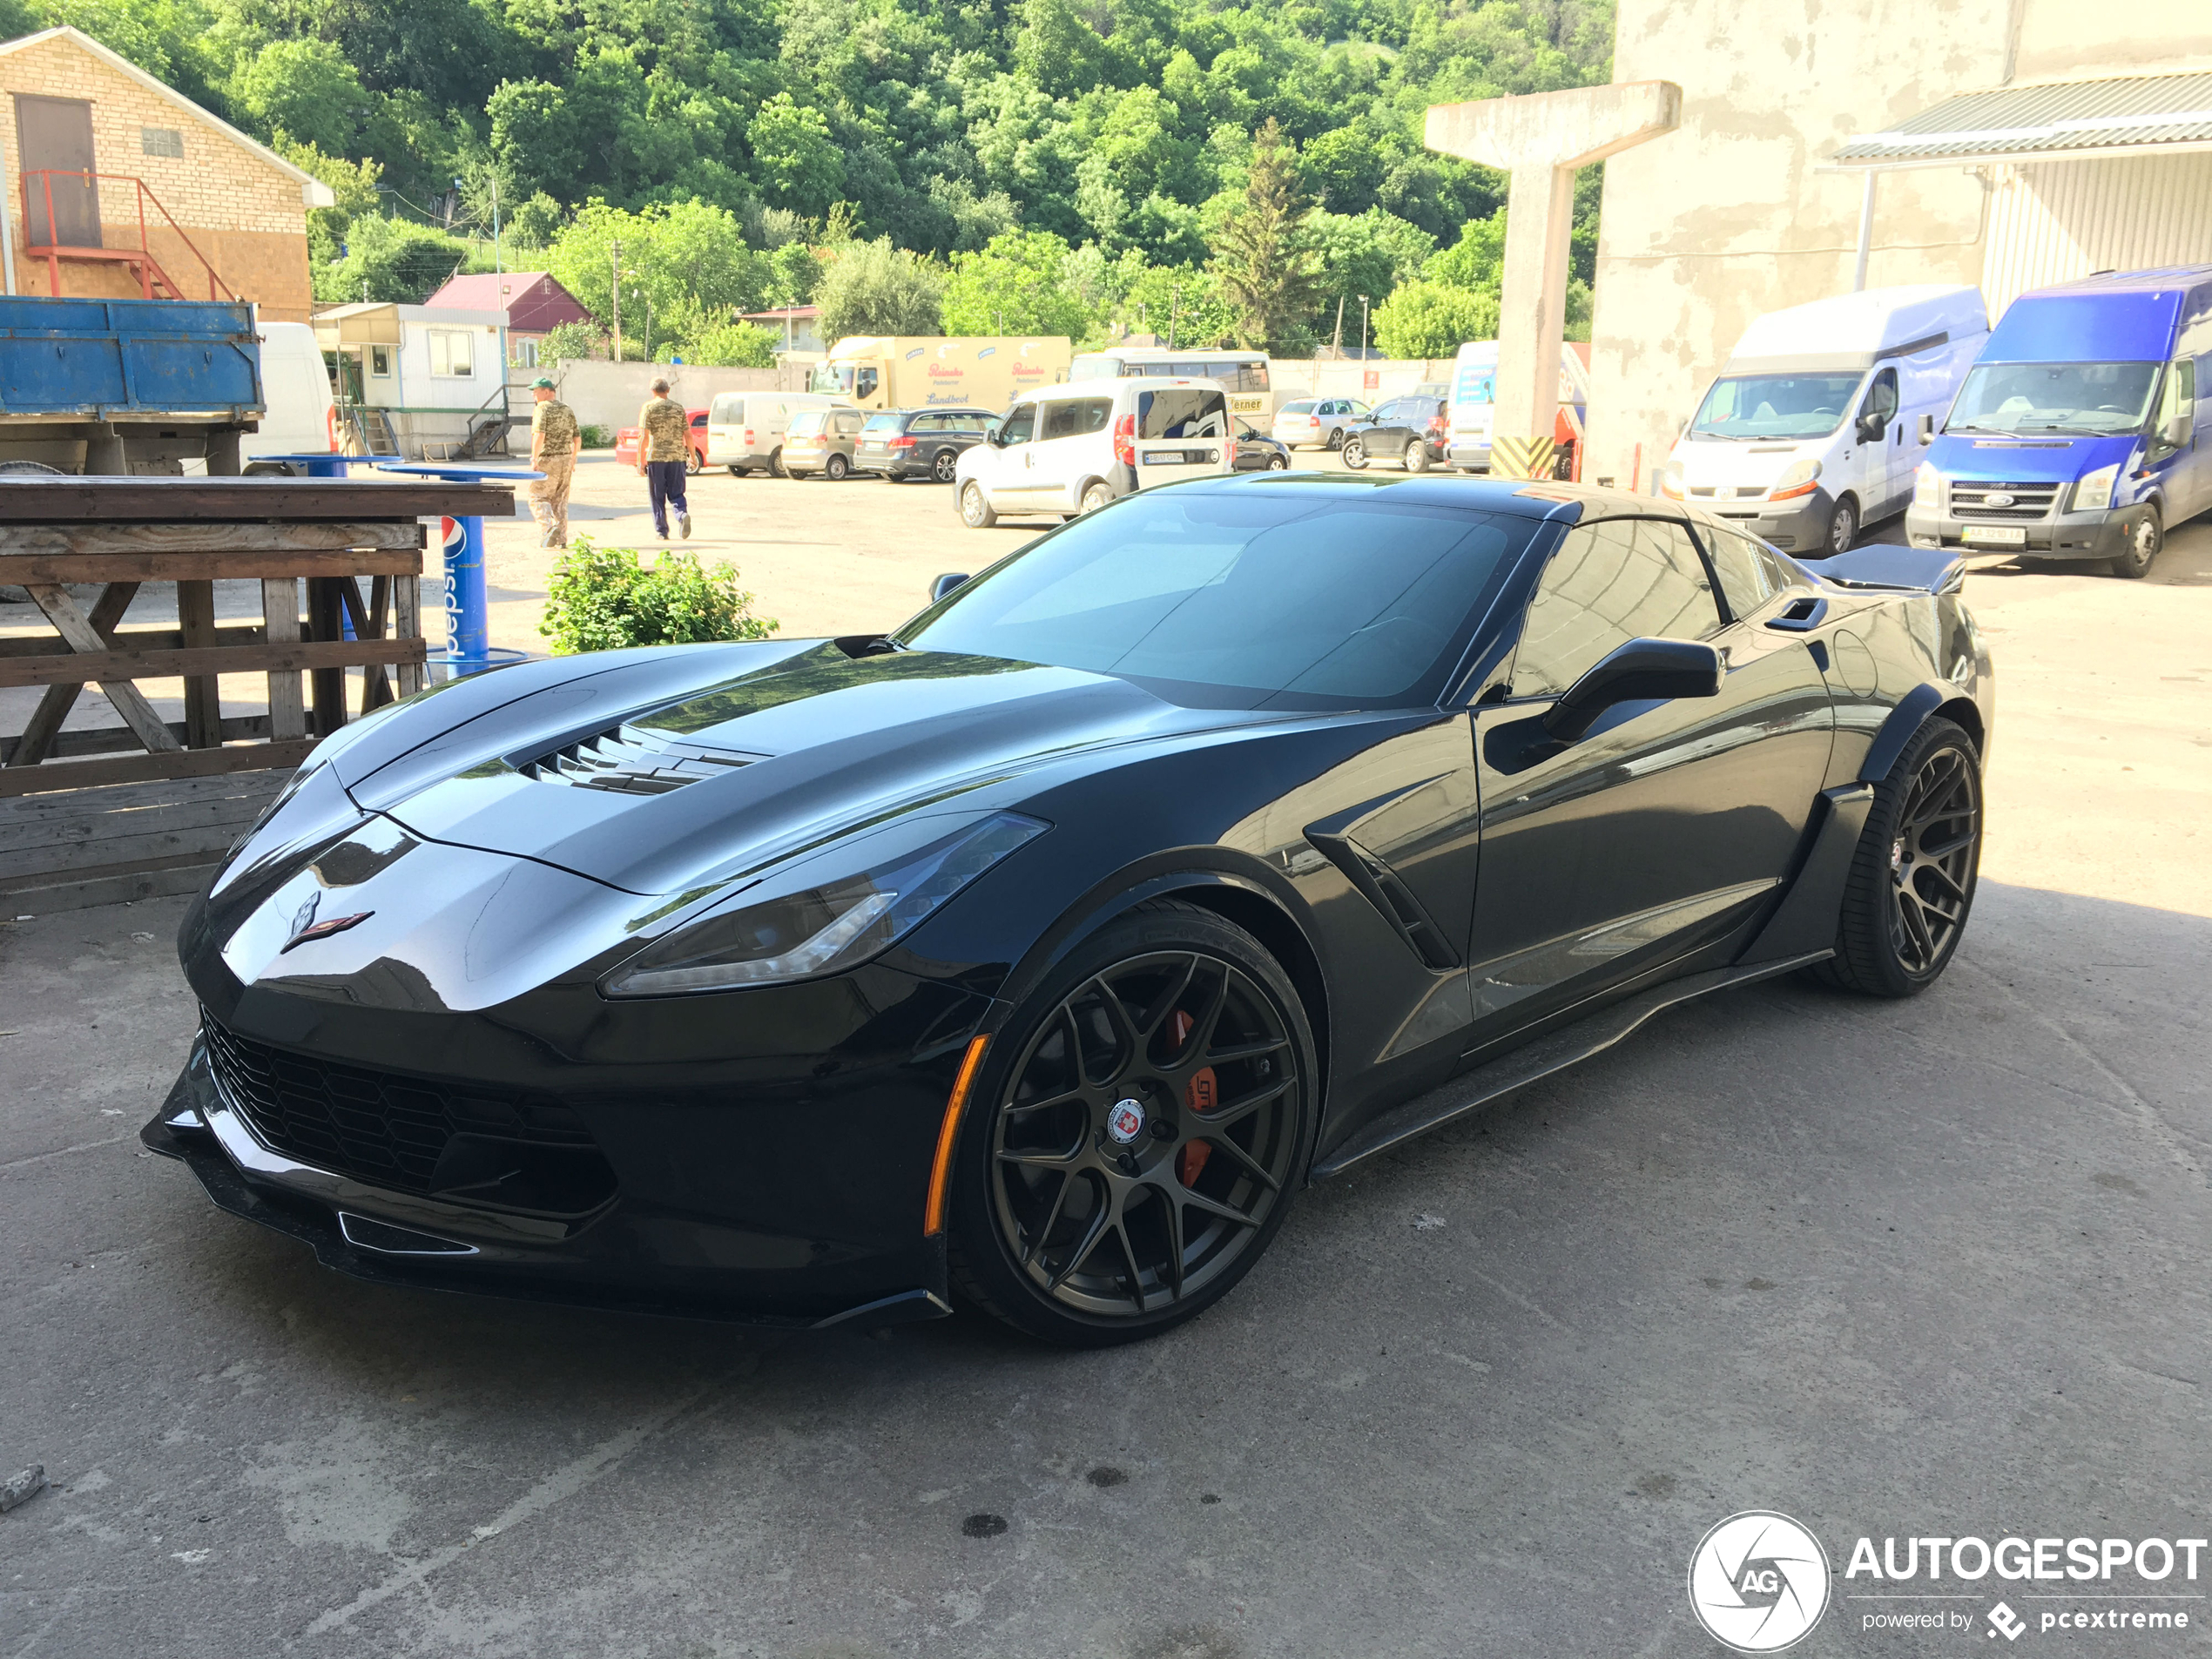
1799,478
2094,493
1670,484
1927,486
817,916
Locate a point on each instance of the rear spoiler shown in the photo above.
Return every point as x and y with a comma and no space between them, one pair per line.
1926,570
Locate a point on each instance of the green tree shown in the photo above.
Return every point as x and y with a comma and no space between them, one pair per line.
570,343
735,345
602,598
353,182
1015,285
874,288
1428,320
1264,260
392,260
1477,261
687,255
1368,253
305,89
798,166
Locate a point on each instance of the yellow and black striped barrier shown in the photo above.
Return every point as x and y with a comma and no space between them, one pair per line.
1521,457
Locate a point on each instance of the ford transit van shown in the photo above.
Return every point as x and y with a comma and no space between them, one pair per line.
1808,432
1473,400
2081,432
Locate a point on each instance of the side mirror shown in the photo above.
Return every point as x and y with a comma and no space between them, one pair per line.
1927,430
2174,435
1871,426
944,584
1640,670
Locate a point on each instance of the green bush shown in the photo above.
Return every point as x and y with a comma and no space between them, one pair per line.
596,437
602,598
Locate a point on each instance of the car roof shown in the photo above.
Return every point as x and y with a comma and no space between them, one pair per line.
1524,498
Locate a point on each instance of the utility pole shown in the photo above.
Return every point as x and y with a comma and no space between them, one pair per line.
1336,340
1175,312
614,259
1363,328
497,265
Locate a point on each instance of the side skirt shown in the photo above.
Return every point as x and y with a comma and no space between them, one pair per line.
1600,1031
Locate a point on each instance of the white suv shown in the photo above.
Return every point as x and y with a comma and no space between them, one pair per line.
1073,449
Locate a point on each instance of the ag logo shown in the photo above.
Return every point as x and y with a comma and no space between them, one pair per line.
1758,1583
1126,1121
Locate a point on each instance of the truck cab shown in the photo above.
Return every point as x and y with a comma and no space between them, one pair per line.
2081,433
1804,437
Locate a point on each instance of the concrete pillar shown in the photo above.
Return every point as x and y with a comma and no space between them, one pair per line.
1540,142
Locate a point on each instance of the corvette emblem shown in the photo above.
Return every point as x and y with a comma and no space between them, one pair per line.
324,929
1126,1121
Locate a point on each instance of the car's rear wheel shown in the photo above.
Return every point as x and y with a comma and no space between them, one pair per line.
691,463
1336,439
1912,877
1355,454
975,508
1141,1124
2145,536
1096,495
942,468
776,465
835,468
1417,456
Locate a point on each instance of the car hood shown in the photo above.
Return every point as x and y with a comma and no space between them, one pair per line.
1741,468
2025,460
685,788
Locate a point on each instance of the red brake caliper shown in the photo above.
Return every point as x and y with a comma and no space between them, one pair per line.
1201,1095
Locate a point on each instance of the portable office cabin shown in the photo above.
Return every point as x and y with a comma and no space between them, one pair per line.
434,378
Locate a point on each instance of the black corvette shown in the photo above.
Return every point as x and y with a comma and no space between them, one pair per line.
1038,953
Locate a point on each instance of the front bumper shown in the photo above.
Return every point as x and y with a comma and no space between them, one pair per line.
1796,525
2099,535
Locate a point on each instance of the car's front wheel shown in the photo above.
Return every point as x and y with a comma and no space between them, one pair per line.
776,467
1354,454
1096,495
1843,526
1137,1133
2145,536
738,472
1913,879
1279,462
976,509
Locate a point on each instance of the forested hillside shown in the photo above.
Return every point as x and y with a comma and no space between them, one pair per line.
1237,169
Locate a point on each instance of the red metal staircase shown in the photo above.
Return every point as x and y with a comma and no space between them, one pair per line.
154,282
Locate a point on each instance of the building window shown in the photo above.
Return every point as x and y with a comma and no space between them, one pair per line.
526,354
161,141
380,362
453,354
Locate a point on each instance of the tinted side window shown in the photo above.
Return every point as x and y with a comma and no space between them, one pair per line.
1386,411
1181,413
1609,583
1094,414
1746,579
1059,421
1021,424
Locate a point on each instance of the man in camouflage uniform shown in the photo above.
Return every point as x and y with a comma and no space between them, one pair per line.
664,447
554,437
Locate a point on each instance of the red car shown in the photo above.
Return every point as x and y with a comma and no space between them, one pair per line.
626,443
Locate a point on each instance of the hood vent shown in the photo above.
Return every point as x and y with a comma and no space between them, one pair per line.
631,760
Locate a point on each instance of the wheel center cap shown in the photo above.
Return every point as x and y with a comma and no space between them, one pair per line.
1125,1121
1897,857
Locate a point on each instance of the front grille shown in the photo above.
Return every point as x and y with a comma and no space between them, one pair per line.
502,1148
2029,501
633,761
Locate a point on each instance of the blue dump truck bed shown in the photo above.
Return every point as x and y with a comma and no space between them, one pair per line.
127,359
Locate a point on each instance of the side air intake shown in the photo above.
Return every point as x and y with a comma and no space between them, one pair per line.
632,760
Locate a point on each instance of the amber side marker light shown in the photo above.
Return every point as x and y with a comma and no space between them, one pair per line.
940,1172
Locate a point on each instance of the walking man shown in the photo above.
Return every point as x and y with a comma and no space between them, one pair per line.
553,441
664,445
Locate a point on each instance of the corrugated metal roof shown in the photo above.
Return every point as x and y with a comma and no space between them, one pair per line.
2141,112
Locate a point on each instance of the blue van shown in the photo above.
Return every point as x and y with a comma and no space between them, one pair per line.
2078,433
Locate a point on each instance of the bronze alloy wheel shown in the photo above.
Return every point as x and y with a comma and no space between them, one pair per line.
1145,1135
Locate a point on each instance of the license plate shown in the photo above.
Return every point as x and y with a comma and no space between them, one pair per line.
1165,457
1996,536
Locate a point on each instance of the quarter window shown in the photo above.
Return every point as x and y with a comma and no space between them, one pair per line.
1609,583
1747,578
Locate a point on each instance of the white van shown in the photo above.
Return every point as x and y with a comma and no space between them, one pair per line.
1073,449
1805,436
1473,400
299,419
744,431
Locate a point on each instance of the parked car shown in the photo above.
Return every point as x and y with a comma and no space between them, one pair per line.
2108,381
1320,420
822,441
899,444
626,443
1073,449
1802,439
744,431
1410,430
1256,452
1045,950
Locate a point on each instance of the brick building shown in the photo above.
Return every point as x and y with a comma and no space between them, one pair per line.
184,206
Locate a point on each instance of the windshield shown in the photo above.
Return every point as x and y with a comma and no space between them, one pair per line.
845,380
2084,399
1774,406
1279,599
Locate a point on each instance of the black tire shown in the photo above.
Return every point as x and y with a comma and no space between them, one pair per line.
1336,440
776,464
691,463
1278,463
975,508
1843,527
1111,1237
943,465
1353,454
1096,494
740,472
1417,456
2145,537
1912,877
